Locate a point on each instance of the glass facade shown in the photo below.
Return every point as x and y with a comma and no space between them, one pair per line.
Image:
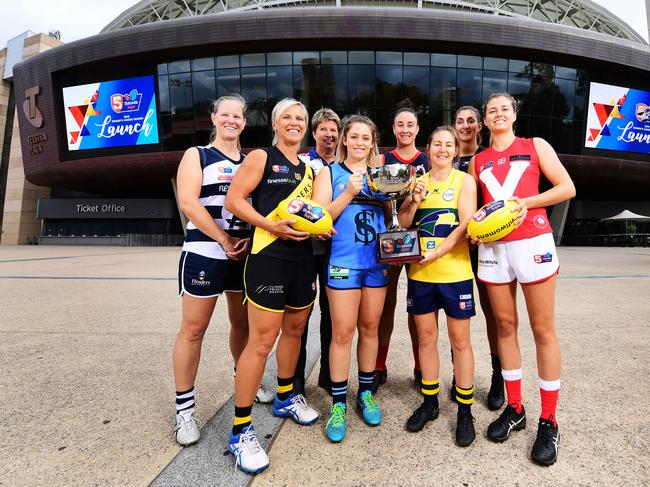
369,82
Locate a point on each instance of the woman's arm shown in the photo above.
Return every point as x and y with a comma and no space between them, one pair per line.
189,179
247,178
410,205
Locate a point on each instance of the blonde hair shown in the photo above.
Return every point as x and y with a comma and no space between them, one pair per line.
342,150
325,115
215,108
281,107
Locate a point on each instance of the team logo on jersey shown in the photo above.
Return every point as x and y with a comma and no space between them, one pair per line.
298,177
501,161
465,305
642,112
520,157
227,170
431,245
224,177
201,280
364,231
280,169
487,165
540,222
202,276
342,187
436,191
339,273
543,258
465,296
449,194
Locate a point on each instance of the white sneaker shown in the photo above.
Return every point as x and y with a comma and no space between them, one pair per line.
249,454
295,408
187,428
264,396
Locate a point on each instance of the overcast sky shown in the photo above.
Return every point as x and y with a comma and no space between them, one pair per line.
77,19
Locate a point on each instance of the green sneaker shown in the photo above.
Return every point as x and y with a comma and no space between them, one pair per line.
368,408
337,424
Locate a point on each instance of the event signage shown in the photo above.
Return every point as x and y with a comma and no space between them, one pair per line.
111,114
618,118
91,208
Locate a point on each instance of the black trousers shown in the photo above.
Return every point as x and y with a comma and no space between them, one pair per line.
320,264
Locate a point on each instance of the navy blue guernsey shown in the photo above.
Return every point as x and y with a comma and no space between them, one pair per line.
419,161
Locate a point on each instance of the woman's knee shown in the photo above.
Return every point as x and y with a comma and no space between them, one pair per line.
544,334
506,325
194,330
342,336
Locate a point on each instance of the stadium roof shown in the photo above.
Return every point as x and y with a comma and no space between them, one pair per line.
581,14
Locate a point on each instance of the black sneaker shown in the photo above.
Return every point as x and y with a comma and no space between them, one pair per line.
422,415
417,379
465,432
496,396
499,430
379,377
547,443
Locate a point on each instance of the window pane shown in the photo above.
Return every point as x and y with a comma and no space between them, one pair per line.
563,72
475,62
388,85
444,60
361,87
389,57
180,95
361,57
202,64
257,59
494,82
227,62
469,87
162,68
543,69
519,87
442,95
416,86
333,57
333,86
204,92
306,79
178,67
306,57
163,94
495,64
516,66
416,58
279,83
542,95
227,82
565,98
253,84
278,58
562,136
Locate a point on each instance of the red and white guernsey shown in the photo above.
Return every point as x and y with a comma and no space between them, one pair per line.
513,172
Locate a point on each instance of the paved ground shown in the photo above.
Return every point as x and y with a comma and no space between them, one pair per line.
85,350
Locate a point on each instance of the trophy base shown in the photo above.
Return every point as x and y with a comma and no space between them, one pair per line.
399,246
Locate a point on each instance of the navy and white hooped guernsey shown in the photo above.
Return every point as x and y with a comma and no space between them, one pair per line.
218,171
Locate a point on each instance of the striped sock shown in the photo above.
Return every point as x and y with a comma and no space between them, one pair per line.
339,391
242,418
549,390
185,400
464,398
512,379
365,381
430,390
285,388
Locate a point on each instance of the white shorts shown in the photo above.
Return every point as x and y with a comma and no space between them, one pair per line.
528,261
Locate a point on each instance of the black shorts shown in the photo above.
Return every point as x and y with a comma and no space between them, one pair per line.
273,284
203,277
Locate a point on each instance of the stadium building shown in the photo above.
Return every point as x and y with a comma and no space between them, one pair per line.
93,130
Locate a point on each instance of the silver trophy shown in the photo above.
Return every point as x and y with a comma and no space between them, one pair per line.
390,183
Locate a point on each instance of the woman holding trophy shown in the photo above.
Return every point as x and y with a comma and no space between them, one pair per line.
441,207
356,282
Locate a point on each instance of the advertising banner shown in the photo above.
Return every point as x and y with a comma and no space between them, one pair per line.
111,114
618,119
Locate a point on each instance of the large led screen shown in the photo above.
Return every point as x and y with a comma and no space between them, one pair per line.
111,114
618,119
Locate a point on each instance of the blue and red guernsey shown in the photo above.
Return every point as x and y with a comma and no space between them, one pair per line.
513,172
419,161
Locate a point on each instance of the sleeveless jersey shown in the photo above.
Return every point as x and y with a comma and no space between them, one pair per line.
513,172
462,162
218,171
435,218
419,161
280,180
355,244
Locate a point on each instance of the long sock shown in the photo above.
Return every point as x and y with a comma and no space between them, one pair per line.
382,354
242,418
185,400
416,356
464,398
549,390
285,388
496,363
430,390
365,381
339,391
512,380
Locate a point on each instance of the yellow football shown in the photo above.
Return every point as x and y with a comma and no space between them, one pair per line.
310,216
493,221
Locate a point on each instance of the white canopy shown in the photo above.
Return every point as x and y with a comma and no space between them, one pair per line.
627,215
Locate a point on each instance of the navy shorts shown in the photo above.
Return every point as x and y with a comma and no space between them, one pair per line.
345,278
456,298
204,277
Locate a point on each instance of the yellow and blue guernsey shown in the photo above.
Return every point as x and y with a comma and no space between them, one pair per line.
354,246
435,219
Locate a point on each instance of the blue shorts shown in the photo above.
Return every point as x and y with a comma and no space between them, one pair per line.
204,277
345,278
456,298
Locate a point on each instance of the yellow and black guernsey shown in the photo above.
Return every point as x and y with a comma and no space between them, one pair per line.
281,179
435,219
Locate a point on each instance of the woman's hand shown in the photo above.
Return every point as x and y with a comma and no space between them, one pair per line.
326,236
355,183
419,192
522,208
430,256
228,243
240,249
282,229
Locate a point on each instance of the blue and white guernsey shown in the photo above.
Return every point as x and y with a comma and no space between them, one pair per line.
218,171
